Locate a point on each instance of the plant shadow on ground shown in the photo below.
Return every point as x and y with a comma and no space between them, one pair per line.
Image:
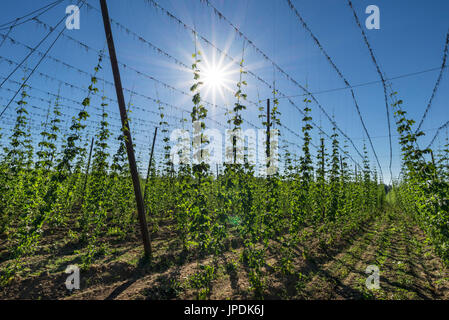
289,285
333,272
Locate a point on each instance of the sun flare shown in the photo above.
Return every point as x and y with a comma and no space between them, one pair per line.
214,77
217,79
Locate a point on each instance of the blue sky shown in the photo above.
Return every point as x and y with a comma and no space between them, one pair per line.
411,38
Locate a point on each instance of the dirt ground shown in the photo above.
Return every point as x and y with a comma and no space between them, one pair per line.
408,269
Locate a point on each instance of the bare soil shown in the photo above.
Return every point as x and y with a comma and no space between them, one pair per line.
332,267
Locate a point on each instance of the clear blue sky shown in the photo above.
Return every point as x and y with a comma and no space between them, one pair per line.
411,38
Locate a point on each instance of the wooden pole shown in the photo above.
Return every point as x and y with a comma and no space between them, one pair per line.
126,131
435,174
268,133
149,165
87,170
234,147
322,159
341,164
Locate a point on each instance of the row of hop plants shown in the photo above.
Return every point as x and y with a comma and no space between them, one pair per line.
85,192
423,187
53,190
238,204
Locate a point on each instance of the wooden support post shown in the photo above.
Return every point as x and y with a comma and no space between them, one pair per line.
126,131
341,164
234,147
149,165
268,133
435,173
323,168
87,171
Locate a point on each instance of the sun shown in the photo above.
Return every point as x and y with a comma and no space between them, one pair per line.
214,77
217,78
